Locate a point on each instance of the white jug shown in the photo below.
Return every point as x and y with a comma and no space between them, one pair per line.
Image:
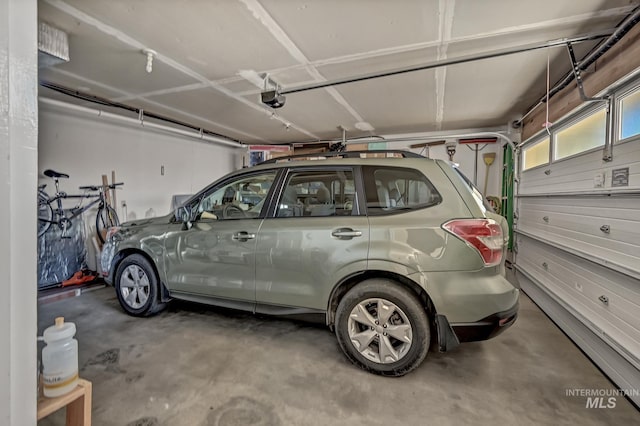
60,359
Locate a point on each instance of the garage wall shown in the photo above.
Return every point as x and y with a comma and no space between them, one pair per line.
578,238
86,148
465,157
18,162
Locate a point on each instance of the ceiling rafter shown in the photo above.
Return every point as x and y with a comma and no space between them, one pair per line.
176,89
445,29
158,104
126,39
283,55
260,13
345,59
186,87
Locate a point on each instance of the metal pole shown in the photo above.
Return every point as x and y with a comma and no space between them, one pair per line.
460,60
148,124
622,29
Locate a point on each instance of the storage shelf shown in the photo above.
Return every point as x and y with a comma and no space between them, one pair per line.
77,403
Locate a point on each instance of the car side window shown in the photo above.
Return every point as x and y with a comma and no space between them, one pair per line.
391,190
318,193
239,198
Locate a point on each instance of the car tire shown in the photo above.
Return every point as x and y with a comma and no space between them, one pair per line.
366,336
137,286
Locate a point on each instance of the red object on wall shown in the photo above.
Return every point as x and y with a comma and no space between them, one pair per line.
477,140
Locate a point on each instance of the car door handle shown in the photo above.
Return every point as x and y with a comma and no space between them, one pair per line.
346,233
243,236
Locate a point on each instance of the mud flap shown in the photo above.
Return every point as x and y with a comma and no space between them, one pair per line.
165,296
447,339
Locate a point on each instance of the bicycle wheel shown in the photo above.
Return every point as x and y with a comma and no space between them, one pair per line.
105,219
45,213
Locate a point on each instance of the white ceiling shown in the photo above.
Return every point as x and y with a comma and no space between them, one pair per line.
204,48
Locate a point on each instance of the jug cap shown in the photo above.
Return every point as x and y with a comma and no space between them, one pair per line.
60,331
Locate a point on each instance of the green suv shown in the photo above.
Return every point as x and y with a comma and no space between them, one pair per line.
394,253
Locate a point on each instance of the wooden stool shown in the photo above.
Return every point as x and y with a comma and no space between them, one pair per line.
78,403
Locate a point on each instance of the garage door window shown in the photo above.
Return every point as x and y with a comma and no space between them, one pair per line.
536,154
630,115
586,134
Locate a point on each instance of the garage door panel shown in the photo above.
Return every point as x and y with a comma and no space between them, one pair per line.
581,233
576,224
619,207
577,240
579,284
583,280
618,262
582,173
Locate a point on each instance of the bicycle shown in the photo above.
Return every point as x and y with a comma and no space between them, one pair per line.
106,216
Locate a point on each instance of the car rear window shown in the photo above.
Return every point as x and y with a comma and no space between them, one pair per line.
392,190
477,195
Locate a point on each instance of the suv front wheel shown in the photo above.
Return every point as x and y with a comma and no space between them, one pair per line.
383,328
136,284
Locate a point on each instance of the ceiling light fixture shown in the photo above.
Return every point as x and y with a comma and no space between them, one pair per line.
150,54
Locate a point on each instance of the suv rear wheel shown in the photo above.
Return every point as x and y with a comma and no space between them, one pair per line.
383,328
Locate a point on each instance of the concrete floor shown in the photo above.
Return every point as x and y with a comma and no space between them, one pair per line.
199,365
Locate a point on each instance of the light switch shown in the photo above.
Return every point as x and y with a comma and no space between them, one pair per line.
598,180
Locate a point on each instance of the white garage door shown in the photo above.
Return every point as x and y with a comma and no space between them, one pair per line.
578,232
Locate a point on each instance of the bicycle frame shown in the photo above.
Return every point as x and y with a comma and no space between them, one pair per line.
59,212
76,211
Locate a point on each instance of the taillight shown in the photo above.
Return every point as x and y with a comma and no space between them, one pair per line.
484,235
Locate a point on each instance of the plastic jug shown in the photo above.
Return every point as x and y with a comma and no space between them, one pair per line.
60,359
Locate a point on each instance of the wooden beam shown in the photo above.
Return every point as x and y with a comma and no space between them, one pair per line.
621,60
423,144
105,188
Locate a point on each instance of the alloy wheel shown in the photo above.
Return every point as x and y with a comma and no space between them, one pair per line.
380,331
134,286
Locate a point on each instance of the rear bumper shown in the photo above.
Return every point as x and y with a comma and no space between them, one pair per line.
486,328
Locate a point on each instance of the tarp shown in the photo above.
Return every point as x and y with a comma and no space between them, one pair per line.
59,258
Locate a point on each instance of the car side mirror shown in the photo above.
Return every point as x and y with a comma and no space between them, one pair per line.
183,214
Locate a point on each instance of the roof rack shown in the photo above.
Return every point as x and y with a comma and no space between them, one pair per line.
344,154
